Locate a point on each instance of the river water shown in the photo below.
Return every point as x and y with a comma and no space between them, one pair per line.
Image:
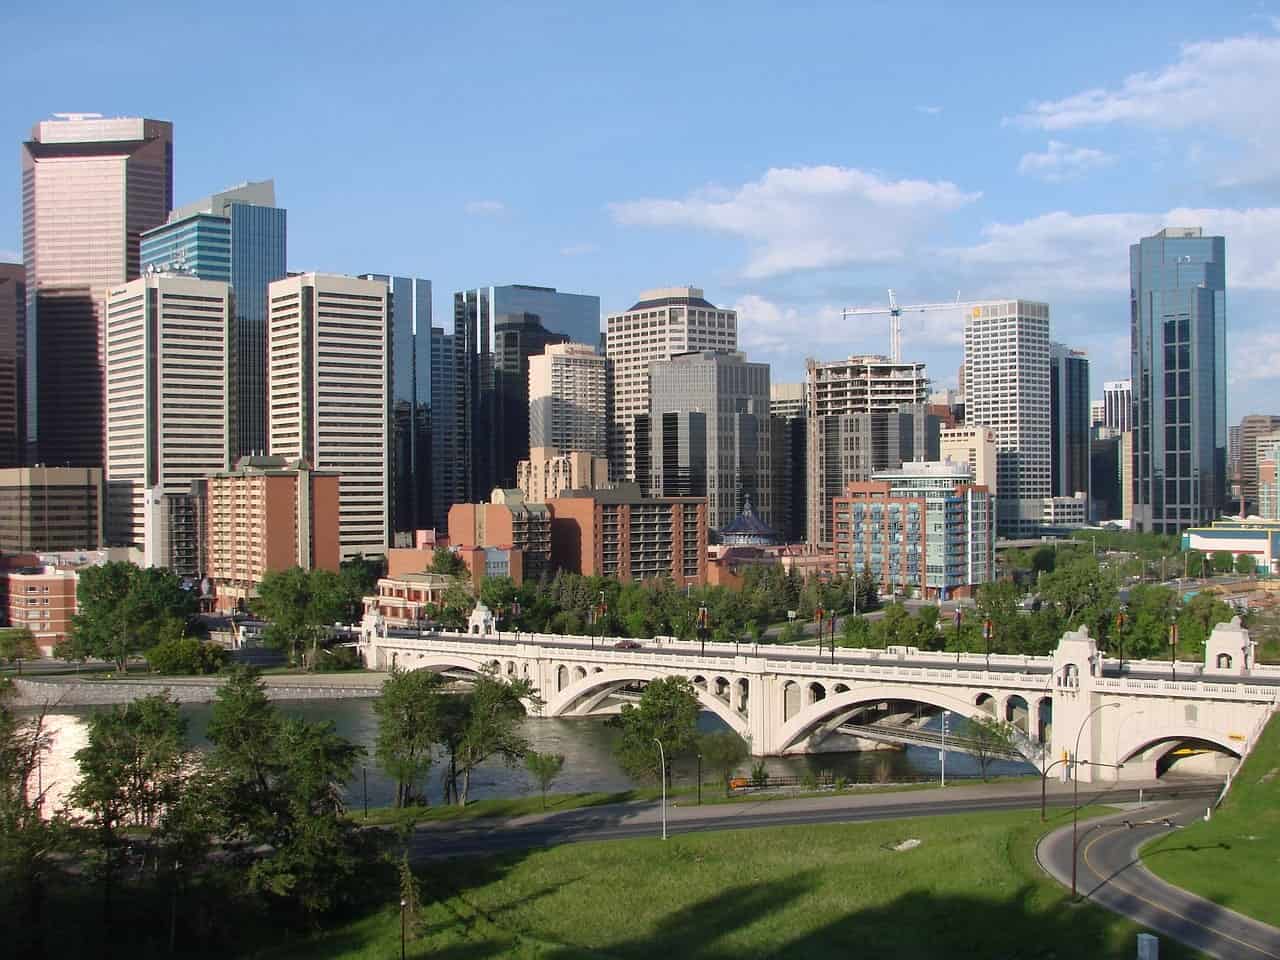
587,745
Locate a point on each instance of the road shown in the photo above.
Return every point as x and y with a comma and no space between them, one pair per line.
455,838
1111,873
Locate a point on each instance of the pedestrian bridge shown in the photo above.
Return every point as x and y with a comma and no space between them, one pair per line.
785,699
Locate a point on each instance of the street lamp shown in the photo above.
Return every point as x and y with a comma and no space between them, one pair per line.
699,778
662,775
703,625
515,612
818,615
987,630
1121,619
1173,646
497,621
403,904
604,611
1075,794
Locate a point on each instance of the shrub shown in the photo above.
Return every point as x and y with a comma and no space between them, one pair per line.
187,655
336,659
759,775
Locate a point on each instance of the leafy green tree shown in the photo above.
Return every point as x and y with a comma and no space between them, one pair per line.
1197,619
856,632
1083,593
494,712
498,592
18,644
1151,610
358,578
299,606
868,591
990,739
445,561
121,610
1246,565
408,712
1223,562
668,712
896,628
544,768
723,751
187,655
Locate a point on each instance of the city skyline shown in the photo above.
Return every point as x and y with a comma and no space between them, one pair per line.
1046,211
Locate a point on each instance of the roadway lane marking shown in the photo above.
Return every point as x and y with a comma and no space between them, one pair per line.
1163,909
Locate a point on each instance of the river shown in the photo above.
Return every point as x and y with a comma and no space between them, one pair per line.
587,745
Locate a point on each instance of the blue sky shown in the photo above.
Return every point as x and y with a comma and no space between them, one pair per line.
789,162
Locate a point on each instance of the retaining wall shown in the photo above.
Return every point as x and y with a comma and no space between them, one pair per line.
81,693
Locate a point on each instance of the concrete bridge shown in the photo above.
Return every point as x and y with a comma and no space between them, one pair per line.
784,699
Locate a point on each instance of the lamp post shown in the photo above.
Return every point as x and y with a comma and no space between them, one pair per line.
942,754
1044,779
1173,647
1075,794
515,613
704,619
497,621
699,778
662,776
1121,619
403,904
603,612
987,630
833,638
365,773
818,615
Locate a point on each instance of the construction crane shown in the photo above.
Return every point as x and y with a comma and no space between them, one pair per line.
895,312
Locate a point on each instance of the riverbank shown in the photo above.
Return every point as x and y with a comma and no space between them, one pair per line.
75,692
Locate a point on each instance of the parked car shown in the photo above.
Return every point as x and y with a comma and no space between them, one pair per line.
626,645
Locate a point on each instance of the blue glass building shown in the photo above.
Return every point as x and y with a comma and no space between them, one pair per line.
1178,337
239,237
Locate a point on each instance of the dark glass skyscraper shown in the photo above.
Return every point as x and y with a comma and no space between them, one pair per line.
1068,420
238,236
13,364
1178,324
91,186
496,331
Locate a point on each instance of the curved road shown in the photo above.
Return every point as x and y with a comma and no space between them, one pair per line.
1111,873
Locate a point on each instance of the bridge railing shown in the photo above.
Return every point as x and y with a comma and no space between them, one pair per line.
1201,689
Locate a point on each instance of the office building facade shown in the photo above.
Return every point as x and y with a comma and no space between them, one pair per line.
569,399
170,407
43,509
328,394
496,330
924,529
1117,405
1006,358
732,394
1179,371
548,473
13,365
976,446
238,236
1068,420
661,324
1253,429
788,438
507,522
91,186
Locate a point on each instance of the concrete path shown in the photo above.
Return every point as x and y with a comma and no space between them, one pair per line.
1110,872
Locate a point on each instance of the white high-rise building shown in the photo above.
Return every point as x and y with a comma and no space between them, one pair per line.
569,399
1117,405
170,406
327,386
662,323
1006,357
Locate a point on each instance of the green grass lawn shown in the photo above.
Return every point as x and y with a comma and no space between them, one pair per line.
1233,859
970,889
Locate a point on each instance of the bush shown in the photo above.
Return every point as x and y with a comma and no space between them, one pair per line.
187,655
336,659
759,775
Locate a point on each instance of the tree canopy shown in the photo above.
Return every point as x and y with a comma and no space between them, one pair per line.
667,712
124,610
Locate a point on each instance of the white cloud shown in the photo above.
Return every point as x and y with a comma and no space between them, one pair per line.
486,208
578,249
805,218
1254,359
1061,161
931,111
10,256
1218,85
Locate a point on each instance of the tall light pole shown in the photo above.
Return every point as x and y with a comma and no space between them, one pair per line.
942,754
1173,647
662,776
1075,794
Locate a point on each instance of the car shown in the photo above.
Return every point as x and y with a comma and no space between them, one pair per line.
626,645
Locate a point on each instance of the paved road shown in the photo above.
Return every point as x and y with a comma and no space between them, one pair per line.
1110,872
441,839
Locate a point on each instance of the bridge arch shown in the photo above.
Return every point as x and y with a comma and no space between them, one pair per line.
1142,742
439,662
564,700
814,715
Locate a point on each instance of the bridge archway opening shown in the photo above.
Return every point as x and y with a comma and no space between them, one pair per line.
987,702
1182,754
579,673
582,697
840,688
1044,720
743,694
700,681
722,688
815,692
790,699
562,677
1018,713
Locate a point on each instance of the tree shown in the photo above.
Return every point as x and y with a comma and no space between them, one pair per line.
408,711
856,633
1083,593
1246,565
187,655
990,739
723,751
868,591
300,605
18,644
544,768
1223,562
667,712
444,560
896,628
1199,616
358,578
494,711
121,610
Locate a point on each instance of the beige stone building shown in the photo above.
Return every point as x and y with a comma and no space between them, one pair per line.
976,446
548,473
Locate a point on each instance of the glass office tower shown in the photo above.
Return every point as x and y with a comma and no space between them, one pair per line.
238,236
91,186
13,364
1178,330
496,331
1068,420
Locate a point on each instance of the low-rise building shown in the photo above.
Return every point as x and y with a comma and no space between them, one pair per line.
507,521
40,597
548,472
925,529
50,508
265,515
408,600
1061,513
1254,537
620,533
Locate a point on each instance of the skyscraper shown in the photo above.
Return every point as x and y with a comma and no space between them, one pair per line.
410,342
788,438
237,236
1006,361
496,330
328,392
1117,405
662,323
733,396
864,413
1253,428
1068,420
569,399
13,364
1178,308
90,187
169,409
